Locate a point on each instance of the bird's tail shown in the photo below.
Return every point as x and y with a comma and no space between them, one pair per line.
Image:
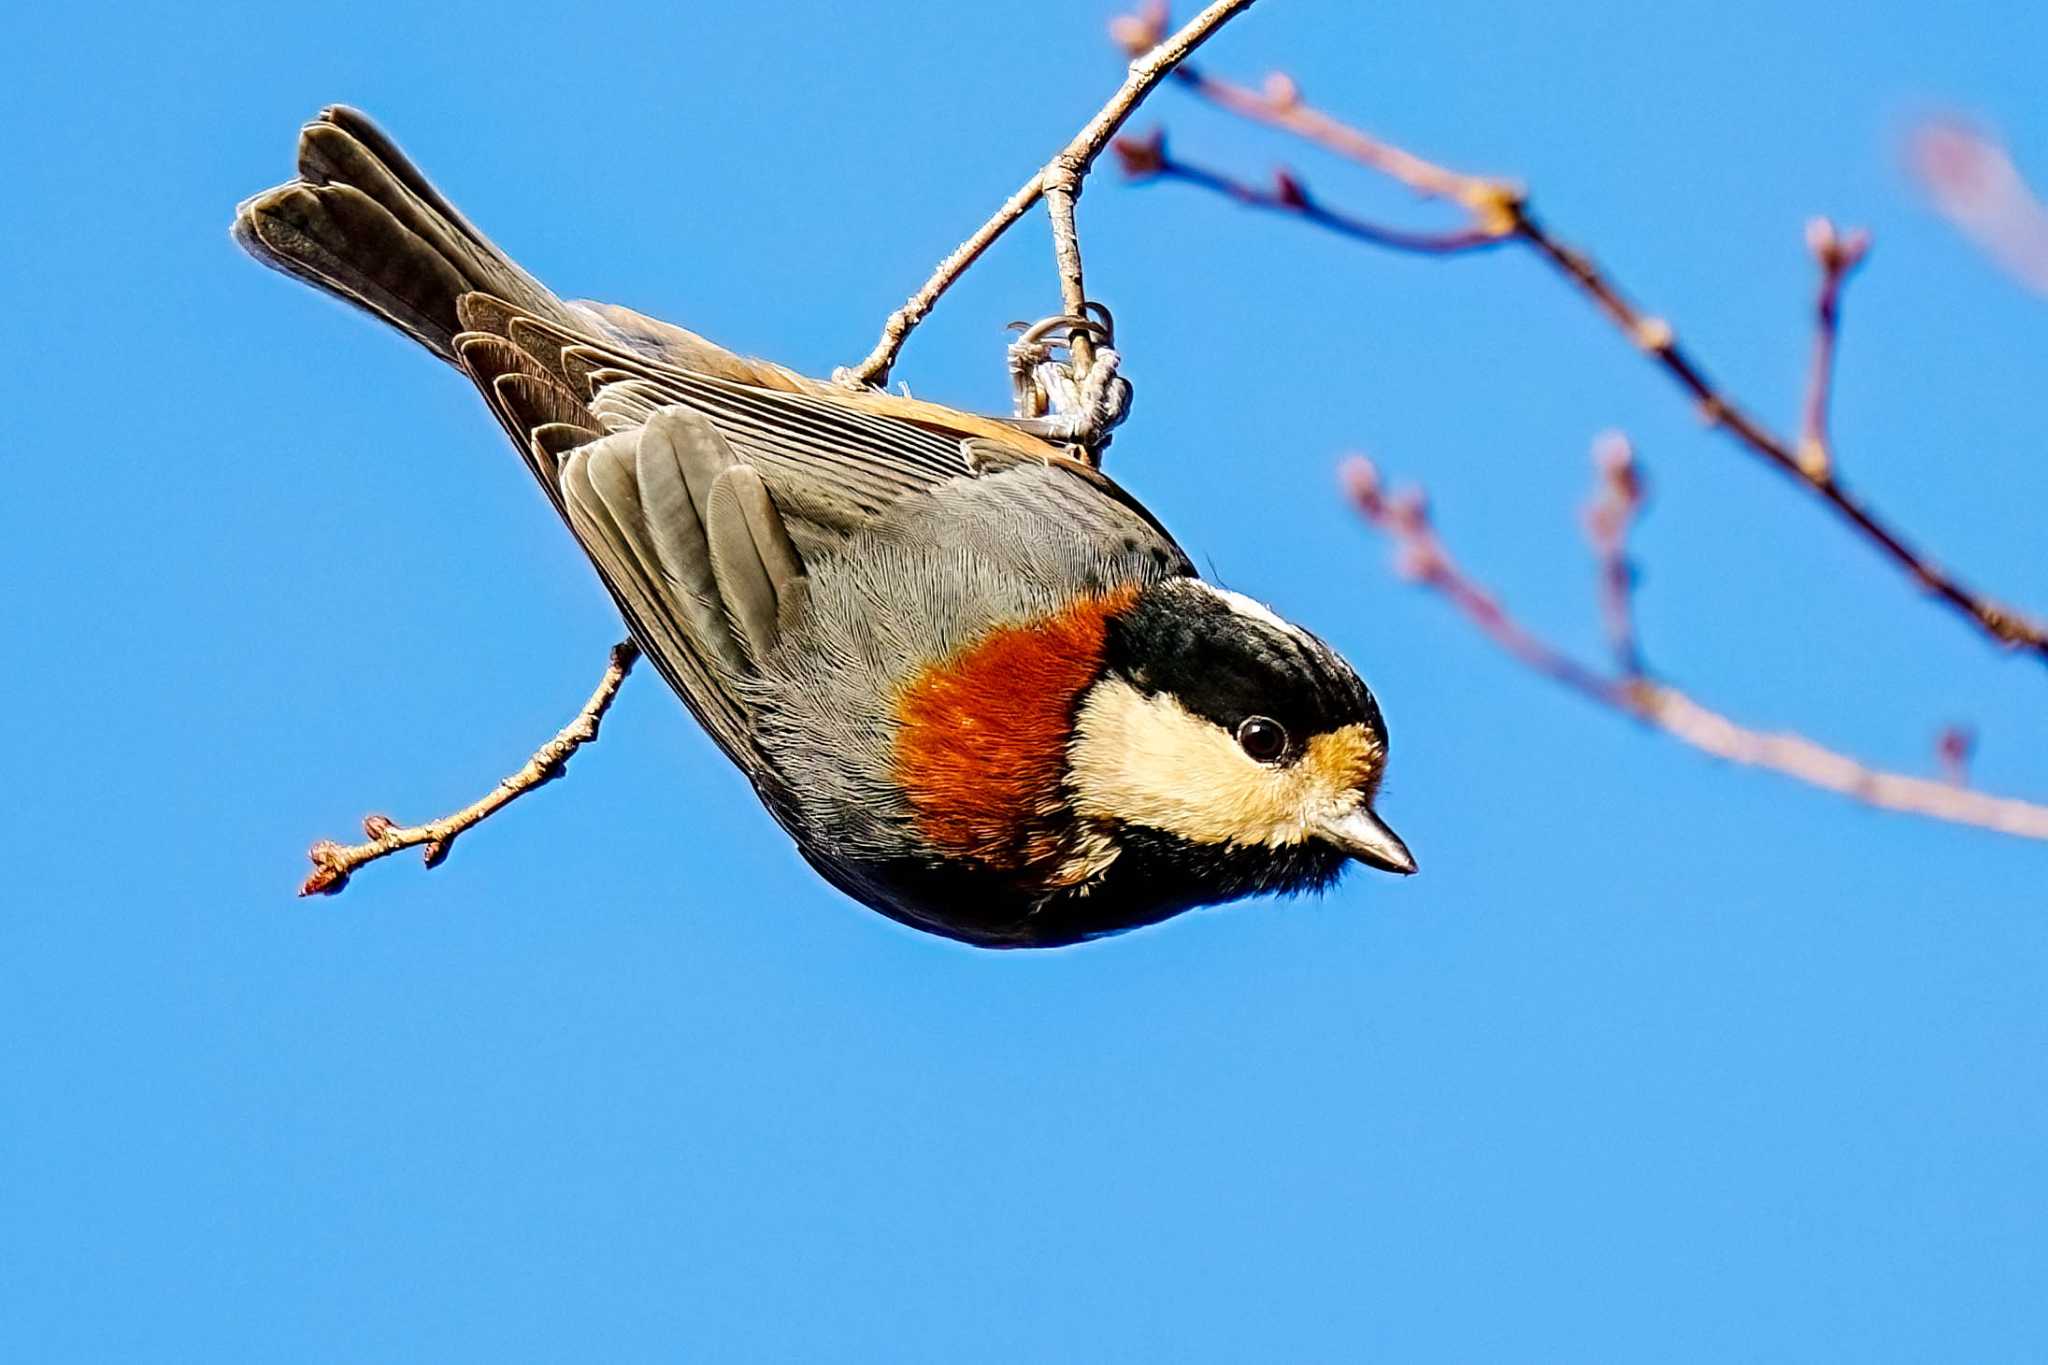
362,223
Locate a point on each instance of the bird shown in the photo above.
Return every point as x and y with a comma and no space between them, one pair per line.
977,683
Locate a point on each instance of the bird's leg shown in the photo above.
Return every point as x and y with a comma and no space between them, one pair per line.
333,863
1078,399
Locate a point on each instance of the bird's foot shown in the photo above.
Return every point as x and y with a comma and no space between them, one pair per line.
1065,391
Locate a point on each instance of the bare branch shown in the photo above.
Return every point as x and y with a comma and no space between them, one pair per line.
334,863
1062,177
1500,209
1421,556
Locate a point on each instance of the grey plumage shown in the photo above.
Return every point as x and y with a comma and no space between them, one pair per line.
758,572
738,514
919,584
677,459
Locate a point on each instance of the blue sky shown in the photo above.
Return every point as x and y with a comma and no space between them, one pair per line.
1657,1059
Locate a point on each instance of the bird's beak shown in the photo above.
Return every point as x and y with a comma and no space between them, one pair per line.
1360,834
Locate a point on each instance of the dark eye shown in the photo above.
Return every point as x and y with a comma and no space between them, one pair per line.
1262,738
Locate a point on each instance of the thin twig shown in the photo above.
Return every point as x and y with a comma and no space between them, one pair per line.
1146,157
875,366
1491,203
1801,759
1610,516
1501,209
1062,189
1837,253
1063,176
334,863
1421,556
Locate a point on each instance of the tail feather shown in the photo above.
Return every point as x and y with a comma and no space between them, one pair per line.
362,223
598,401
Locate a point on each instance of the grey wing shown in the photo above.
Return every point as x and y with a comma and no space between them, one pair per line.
831,468
700,521
640,502
699,498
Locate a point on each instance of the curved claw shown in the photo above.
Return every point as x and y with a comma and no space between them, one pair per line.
1067,324
1060,399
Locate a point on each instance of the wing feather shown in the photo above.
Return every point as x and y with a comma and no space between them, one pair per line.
698,489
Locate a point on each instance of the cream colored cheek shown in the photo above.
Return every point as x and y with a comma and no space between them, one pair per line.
1148,761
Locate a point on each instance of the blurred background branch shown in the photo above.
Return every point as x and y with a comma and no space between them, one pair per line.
1499,210
1421,557
1972,181
1970,178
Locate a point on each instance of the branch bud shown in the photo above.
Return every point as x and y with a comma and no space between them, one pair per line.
1139,33
1141,155
1282,93
1952,748
1838,252
1361,480
1654,334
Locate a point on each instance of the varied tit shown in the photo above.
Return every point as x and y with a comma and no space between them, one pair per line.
978,684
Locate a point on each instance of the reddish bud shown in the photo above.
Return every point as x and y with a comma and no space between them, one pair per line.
1952,749
1614,455
1838,252
1281,91
1288,189
1361,480
1139,33
1408,511
1141,155
1419,561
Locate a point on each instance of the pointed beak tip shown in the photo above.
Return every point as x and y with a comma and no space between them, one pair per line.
1397,860
1363,836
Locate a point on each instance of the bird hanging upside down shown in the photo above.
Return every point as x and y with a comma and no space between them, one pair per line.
979,685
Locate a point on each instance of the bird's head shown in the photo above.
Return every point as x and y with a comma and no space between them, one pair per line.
1219,734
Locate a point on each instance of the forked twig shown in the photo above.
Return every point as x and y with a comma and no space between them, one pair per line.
1421,557
334,863
1059,182
1145,157
1500,210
